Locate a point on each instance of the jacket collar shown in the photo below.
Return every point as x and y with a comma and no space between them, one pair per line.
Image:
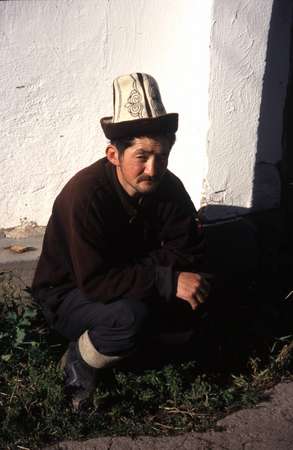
130,205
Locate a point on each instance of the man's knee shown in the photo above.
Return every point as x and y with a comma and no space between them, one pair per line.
124,328
131,315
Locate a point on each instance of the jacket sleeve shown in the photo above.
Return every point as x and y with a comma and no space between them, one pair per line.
182,245
153,274
93,274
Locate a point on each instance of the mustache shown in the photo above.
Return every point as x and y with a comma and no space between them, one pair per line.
146,178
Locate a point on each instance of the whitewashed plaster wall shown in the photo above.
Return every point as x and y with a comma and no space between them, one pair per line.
248,79
58,59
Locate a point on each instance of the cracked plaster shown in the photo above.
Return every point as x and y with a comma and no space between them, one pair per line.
60,60
247,94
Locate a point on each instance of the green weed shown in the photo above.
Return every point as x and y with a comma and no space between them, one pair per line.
175,398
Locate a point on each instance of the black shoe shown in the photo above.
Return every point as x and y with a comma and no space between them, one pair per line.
80,378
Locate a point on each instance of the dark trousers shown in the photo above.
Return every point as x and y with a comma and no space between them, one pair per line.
119,326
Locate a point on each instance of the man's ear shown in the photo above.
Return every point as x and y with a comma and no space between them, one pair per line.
112,154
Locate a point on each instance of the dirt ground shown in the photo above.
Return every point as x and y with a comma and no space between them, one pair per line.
266,427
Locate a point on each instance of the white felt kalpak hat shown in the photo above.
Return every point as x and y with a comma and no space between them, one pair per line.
138,109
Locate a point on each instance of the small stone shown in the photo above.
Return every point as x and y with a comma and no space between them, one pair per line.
19,248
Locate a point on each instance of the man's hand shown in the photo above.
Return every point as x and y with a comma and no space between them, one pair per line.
192,288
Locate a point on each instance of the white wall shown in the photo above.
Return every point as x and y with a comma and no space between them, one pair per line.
248,80
58,59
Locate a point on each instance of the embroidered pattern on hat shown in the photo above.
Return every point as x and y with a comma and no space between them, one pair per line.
134,103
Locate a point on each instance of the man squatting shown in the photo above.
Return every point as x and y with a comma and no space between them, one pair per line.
123,246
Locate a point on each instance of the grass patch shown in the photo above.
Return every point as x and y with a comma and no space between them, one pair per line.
176,397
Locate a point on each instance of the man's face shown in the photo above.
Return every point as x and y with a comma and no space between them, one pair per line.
142,165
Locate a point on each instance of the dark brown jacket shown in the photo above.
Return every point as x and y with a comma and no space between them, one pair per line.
108,245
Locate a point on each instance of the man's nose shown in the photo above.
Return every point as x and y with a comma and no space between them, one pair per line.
150,168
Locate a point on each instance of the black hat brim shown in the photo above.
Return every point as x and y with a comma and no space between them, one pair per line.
140,127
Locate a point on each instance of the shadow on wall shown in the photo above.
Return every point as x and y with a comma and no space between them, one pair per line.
287,160
253,241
